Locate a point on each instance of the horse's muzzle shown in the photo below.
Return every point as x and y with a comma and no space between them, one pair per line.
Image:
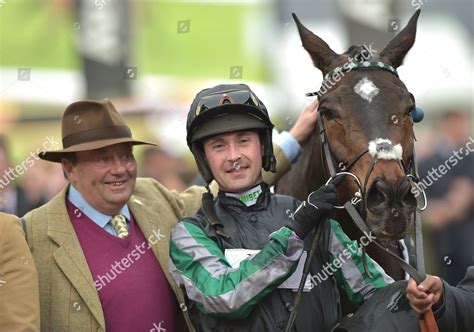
390,207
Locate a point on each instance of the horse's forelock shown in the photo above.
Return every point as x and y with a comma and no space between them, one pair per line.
358,53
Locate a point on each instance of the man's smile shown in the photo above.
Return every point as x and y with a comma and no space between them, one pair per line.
116,185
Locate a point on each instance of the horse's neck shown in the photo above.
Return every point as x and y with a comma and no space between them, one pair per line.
307,174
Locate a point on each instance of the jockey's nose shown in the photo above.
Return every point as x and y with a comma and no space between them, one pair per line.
234,153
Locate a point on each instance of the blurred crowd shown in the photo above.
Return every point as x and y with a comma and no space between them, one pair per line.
446,170
32,189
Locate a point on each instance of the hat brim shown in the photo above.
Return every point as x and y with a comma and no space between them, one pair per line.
56,156
239,117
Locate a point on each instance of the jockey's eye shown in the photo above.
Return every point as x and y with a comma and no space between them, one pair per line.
327,113
217,146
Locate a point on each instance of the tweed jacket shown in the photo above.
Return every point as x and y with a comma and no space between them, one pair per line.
19,298
68,298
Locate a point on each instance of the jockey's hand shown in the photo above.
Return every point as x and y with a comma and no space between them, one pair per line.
313,210
426,294
306,123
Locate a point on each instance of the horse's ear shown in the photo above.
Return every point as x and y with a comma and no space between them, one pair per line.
320,52
399,46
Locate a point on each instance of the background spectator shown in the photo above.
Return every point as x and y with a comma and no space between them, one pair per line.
450,213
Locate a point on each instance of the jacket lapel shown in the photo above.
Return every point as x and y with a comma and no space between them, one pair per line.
155,230
69,256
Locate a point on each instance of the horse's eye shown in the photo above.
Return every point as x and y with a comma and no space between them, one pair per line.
327,113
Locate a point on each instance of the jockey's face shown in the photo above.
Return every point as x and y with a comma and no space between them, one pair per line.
235,160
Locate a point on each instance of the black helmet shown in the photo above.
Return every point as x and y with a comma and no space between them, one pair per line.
225,108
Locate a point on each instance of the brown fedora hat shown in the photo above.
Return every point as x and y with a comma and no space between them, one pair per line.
89,125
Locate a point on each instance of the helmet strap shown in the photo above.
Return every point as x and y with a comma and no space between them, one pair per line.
210,213
268,157
201,162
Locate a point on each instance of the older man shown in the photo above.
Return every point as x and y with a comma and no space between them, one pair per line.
101,245
19,302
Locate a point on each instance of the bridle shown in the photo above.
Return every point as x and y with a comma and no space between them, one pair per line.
343,169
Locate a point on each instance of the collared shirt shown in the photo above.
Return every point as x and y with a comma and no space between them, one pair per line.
289,145
248,197
101,219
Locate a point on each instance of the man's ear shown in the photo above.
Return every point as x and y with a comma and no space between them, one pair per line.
67,167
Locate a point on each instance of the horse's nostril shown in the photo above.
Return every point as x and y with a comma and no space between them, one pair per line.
382,188
376,194
383,194
408,199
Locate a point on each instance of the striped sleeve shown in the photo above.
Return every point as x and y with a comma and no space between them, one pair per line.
198,264
346,256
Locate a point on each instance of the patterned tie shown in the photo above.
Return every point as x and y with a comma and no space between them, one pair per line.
119,223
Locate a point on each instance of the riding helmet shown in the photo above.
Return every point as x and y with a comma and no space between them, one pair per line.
226,108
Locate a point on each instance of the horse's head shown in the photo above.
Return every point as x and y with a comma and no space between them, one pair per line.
365,109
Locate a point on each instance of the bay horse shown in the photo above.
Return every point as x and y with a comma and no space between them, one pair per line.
365,114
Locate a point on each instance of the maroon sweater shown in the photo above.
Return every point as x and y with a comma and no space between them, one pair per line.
132,287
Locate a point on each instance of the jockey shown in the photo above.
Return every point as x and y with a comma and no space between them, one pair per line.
240,257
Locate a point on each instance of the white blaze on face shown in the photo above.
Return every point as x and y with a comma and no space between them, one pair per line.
366,89
383,148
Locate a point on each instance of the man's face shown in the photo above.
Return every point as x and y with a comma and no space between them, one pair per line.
235,160
104,177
